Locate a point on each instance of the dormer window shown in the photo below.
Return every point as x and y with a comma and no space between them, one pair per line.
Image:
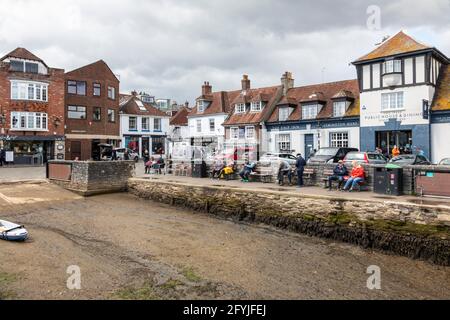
239,108
201,106
310,111
392,66
141,105
24,66
284,113
339,108
256,106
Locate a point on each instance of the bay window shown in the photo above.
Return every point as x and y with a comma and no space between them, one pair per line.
25,90
35,121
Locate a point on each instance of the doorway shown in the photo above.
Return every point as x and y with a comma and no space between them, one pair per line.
386,140
75,150
309,145
95,152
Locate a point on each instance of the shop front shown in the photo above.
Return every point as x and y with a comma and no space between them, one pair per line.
156,145
32,150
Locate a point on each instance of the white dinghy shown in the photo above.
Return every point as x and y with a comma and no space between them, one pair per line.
12,232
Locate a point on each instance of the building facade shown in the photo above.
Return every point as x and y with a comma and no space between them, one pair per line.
206,119
311,117
398,82
31,109
142,126
91,109
178,140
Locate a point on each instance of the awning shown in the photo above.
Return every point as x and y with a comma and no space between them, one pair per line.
32,138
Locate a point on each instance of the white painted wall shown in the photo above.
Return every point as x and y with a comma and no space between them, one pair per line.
440,146
420,69
408,71
206,132
376,75
371,114
125,130
366,76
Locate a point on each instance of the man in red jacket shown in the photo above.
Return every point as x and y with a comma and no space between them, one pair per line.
357,176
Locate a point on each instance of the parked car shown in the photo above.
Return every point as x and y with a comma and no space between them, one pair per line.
275,157
445,162
330,155
121,151
410,159
365,157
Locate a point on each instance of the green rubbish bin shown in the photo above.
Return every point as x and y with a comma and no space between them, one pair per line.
388,180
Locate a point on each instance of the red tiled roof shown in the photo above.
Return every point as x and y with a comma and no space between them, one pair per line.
22,53
400,43
180,118
220,103
269,95
131,107
441,99
328,91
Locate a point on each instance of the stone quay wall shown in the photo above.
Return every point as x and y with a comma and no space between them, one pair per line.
412,230
93,177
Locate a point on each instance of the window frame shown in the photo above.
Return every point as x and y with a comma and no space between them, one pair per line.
78,111
76,84
389,103
287,142
113,113
309,107
339,142
253,107
249,129
392,66
130,127
20,90
198,125
201,106
240,108
147,126
343,111
212,125
97,85
112,89
234,136
18,116
159,121
93,113
284,109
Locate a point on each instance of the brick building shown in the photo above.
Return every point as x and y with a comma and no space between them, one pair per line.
92,110
31,108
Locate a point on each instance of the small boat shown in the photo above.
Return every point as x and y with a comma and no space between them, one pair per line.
12,232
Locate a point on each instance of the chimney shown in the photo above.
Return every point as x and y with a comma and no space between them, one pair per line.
186,104
245,83
287,82
206,89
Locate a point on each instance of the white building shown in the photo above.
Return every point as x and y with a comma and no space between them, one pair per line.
398,82
142,126
178,138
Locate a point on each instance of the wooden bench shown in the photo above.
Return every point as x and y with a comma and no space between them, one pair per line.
326,174
362,186
308,173
264,173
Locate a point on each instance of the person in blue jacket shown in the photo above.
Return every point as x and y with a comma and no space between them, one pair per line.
339,174
300,166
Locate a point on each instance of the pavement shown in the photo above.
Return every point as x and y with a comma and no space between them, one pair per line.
21,173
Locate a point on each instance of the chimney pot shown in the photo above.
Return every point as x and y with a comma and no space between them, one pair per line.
206,88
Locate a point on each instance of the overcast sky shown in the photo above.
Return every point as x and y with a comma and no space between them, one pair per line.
168,48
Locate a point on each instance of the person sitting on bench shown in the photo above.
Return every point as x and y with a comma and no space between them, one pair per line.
284,168
217,169
339,173
227,171
247,170
357,176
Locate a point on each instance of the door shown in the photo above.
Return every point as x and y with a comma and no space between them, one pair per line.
309,145
95,150
75,150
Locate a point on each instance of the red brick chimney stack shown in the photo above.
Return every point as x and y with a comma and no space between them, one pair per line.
206,89
245,83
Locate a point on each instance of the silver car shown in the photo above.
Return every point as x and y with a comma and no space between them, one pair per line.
365,157
121,151
271,158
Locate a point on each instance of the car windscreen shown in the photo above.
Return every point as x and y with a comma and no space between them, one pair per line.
326,152
355,156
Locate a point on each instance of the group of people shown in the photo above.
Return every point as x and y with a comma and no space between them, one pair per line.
153,163
285,169
341,175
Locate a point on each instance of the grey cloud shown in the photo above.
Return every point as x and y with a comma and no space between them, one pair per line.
170,47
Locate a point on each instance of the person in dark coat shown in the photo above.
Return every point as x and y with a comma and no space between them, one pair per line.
2,157
300,166
284,168
339,174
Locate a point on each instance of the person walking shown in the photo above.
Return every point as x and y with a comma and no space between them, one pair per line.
300,166
339,174
357,176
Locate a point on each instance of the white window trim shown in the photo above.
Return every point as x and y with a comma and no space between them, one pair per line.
309,106
238,108
253,107
334,109
232,137
278,141
389,107
201,106
160,125
27,115
147,119
25,84
247,131
197,127
213,121
136,124
330,143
